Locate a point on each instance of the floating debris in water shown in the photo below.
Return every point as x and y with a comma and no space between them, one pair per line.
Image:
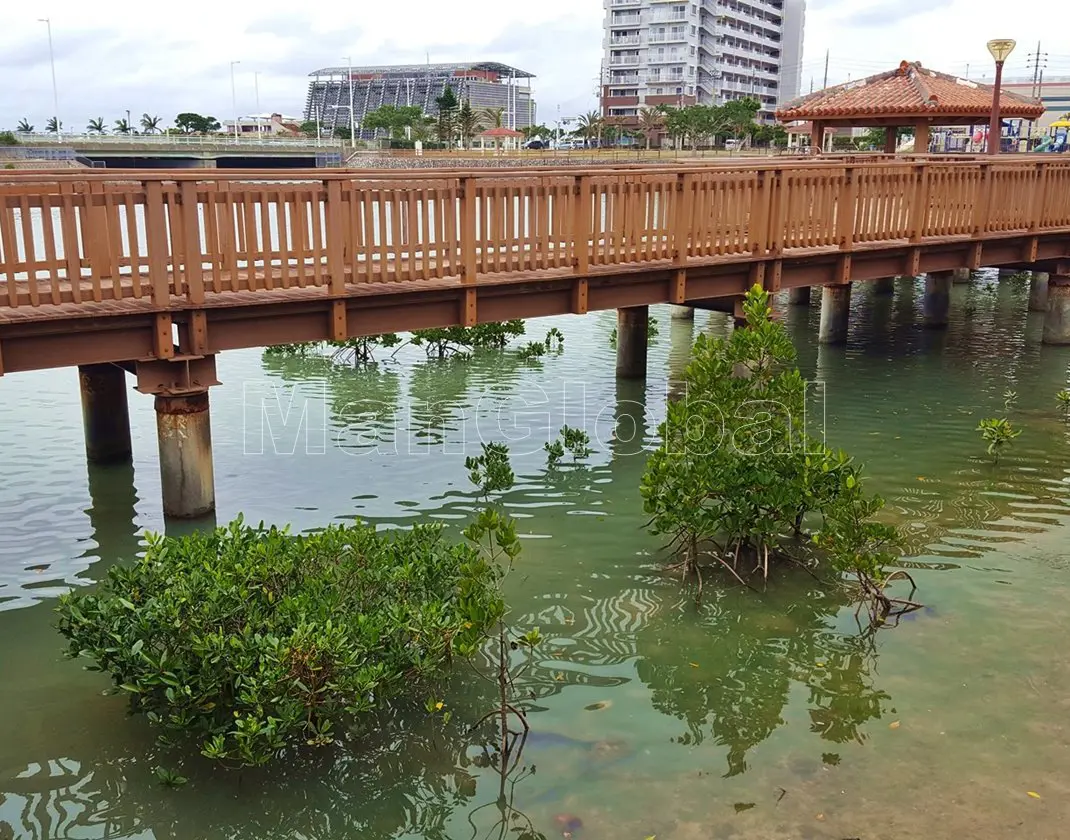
743,806
599,706
568,824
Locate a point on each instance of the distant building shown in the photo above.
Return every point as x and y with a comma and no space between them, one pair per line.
485,84
1053,92
266,124
700,51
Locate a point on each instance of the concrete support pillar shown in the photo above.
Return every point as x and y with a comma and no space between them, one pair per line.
682,313
884,286
631,342
1005,273
835,310
799,296
1038,292
184,428
937,300
1057,321
105,417
961,275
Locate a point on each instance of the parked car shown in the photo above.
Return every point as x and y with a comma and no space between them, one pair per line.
536,143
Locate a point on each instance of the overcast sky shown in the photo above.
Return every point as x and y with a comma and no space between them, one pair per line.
114,55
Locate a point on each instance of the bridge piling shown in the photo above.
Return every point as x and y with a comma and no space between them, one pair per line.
183,426
1038,292
682,313
884,286
962,275
632,342
937,301
1057,321
105,416
799,296
835,311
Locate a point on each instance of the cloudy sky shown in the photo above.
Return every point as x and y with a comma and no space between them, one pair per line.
114,55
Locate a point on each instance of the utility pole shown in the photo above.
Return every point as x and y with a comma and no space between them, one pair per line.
352,116
826,82
1039,60
256,88
234,100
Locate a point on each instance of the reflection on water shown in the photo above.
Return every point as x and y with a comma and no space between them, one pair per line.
746,716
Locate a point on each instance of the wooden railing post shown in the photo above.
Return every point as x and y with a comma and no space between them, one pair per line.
760,213
683,211
192,246
919,213
336,240
1041,201
469,266
775,227
982,209
846,210
582,226
156,242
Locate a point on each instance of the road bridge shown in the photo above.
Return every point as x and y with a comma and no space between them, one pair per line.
154,273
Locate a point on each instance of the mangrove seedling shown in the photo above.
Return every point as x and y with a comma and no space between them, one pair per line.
359,351
555,340
532,350
998,433
576,441
1009,399
447,341
493,533
1063,398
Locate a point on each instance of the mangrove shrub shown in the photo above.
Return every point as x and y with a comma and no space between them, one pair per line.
254,640
738,479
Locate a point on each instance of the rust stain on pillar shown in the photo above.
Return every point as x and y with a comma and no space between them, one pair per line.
183,426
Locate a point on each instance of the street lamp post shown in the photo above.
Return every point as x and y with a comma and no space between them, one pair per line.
1000,49
234,99
55,91
352,116
256,89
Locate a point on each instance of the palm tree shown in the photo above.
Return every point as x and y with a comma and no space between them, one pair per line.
122,127
590,126
97,126
150,125
650,121
24,127
493,117
53,126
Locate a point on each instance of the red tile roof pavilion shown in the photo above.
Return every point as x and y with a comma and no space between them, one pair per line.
910,95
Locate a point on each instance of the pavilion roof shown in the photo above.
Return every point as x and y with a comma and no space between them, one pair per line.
501,131
910,90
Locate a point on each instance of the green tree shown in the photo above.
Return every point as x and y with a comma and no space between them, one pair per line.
447,105
24,127
739,116
393,119
341,132
53,126
122,127
191,123
150,124
309,128
468,124
97,126
589,126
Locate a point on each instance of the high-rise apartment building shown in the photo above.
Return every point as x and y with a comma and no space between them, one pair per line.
683,52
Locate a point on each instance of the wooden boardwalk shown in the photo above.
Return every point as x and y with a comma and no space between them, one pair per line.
129,266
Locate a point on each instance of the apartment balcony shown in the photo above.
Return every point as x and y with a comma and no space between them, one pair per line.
624,40
629,21
668,39
663,18
620,101
740,11
758,39
624,61
667,58
616,4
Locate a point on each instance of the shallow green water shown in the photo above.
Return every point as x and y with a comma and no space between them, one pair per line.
760,717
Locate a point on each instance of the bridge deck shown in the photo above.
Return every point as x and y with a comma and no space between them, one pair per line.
97,265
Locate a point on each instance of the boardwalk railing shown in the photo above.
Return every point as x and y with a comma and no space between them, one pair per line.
179,238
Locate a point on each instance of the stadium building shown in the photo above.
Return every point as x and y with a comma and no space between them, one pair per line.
486,84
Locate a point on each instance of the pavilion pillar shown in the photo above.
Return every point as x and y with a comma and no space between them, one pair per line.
1057,321
817,138
1038,292
921,138
835,313
890,134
